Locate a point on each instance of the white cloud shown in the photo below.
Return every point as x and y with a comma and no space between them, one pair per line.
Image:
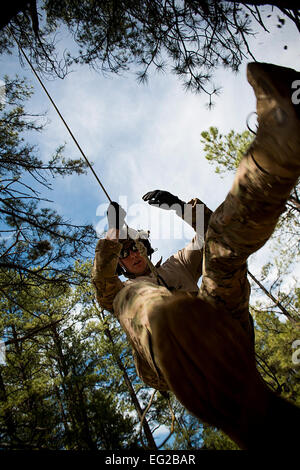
148,137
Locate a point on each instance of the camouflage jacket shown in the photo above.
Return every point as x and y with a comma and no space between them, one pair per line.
181,271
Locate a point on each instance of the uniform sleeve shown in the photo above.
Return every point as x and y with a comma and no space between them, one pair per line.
104,278
197,215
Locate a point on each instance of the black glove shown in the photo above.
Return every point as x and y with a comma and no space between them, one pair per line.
115,215
159,197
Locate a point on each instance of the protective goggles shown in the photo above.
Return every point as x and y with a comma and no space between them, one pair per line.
125,252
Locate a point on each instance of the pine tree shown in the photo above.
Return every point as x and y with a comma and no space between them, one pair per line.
189,38
55,389
34,237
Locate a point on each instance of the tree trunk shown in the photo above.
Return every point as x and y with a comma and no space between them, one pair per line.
10,9
85,434
63,415
147,430
7,418
63,372
276,301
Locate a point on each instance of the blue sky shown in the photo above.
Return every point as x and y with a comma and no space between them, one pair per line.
144,137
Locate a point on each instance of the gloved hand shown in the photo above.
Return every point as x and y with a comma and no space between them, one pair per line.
115,216
159,197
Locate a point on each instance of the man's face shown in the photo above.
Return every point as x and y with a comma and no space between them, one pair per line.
134,262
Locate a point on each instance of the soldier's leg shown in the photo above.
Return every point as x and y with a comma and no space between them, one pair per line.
248,216
133,306
187,338
205,355
276,145
205,360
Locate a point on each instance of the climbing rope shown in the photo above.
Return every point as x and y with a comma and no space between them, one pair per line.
140,246
60,115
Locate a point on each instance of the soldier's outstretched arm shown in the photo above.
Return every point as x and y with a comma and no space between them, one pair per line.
104,276
195,212
197,215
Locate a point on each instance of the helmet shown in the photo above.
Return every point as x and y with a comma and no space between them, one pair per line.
137,235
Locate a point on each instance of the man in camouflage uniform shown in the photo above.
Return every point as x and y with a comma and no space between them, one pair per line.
133,300
201,347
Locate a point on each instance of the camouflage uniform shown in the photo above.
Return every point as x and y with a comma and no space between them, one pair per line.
133,301
239,227
200,346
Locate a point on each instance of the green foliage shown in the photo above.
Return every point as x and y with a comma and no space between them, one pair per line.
34,237
65,383
58,389
274,340
225,151
188,431
216,440
189,39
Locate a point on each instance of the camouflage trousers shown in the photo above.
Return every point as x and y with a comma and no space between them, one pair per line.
240,226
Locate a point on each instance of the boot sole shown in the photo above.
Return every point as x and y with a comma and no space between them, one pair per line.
272,81
278,135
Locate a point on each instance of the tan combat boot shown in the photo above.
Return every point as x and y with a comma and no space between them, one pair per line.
276,147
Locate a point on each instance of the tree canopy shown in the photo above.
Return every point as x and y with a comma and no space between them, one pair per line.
37,244
188,38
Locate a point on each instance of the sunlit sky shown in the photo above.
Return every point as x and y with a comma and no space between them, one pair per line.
144,137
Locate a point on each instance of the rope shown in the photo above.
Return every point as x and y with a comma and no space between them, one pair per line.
60,115
139,245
